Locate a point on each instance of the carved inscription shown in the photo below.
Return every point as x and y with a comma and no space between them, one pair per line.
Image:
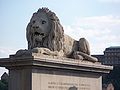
64,82
67,86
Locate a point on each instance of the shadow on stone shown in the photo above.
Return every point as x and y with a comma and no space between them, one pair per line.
73,88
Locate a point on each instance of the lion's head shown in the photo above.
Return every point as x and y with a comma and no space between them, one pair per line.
45,30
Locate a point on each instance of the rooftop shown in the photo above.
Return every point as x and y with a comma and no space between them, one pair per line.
114,47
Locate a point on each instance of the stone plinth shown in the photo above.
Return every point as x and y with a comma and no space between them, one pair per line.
40,73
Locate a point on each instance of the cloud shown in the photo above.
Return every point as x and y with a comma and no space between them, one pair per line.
101,31
2,70
5,52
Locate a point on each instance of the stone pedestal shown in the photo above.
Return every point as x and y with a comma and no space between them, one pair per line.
40,73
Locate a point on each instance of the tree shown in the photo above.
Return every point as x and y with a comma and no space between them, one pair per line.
3,85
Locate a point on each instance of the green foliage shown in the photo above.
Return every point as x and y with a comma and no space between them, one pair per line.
3,85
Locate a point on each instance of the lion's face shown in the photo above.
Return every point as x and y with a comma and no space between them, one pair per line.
40,26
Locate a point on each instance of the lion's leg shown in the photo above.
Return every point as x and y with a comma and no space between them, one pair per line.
84,56
77,56
84,46
84,51
44,51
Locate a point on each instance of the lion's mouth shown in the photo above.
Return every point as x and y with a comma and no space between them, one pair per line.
38,34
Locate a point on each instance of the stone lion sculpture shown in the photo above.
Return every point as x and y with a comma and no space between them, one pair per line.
45,35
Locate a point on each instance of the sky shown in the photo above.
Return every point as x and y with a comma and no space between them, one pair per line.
96,20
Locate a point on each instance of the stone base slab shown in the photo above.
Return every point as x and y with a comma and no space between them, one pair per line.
40,73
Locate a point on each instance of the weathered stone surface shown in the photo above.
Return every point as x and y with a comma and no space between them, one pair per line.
63,80
41,73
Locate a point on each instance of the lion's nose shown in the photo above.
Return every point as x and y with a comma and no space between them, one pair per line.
35,27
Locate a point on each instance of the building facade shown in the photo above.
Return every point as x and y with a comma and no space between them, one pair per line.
111,56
